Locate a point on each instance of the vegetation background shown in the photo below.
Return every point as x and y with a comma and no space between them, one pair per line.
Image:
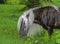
10,11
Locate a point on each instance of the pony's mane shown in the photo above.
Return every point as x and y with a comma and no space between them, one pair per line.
28,11
57,9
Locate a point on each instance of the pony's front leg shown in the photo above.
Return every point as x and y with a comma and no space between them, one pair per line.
50,30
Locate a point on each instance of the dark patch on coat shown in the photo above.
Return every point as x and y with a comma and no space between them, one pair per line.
22,27
48,17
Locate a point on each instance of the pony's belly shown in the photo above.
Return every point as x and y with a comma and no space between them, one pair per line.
35,29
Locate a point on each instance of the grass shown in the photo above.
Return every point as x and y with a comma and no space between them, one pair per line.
8,24
9,33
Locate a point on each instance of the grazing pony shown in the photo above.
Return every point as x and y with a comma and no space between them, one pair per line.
48,17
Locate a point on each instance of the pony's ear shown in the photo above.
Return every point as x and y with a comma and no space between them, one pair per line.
27,16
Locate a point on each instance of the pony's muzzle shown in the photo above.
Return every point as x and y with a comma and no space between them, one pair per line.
22,29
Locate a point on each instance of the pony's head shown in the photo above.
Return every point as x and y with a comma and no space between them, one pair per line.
25,21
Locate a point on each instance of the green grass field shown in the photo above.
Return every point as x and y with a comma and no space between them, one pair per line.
9,33
8,24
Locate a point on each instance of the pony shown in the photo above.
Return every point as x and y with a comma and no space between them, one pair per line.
48,17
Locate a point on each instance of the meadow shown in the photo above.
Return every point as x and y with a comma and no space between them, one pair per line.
9,15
